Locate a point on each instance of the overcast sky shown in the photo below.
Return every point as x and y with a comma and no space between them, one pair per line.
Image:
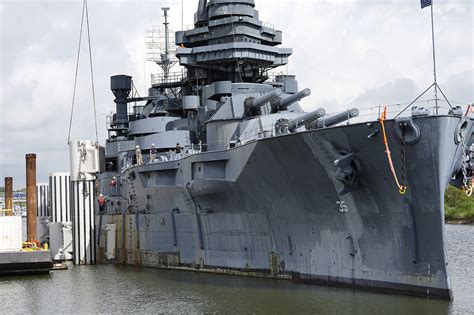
349,52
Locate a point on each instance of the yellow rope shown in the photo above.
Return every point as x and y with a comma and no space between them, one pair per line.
469,190
402,189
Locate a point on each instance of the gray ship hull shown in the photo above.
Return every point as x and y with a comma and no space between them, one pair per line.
273,208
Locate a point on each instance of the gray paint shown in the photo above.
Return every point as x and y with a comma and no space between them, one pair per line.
318,204
385,240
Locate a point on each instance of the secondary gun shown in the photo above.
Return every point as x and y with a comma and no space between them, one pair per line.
253,105
333,120
284,103
284,125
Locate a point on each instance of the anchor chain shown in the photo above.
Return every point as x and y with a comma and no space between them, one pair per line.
404,157
468,188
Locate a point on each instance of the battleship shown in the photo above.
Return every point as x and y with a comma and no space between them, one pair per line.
218,169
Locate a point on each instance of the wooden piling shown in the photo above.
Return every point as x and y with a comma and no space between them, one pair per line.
31,197
8,196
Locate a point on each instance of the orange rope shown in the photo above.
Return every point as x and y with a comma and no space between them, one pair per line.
401,188
470,109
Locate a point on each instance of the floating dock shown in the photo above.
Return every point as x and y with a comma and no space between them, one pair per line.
13,260
16,257
16,263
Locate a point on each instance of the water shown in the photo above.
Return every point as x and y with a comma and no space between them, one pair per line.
112,289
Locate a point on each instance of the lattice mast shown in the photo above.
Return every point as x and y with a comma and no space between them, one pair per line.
166,63
159,47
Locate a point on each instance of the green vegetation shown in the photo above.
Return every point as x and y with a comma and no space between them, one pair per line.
2,189
458,207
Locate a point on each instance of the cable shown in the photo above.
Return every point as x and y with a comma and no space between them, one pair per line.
75,77
92,73
85,12
414,101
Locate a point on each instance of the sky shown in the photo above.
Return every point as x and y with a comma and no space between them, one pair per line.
350,53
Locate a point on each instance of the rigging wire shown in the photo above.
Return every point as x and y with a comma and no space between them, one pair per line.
85,14
92,73
77,69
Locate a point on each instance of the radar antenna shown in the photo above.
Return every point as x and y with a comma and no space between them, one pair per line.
159,47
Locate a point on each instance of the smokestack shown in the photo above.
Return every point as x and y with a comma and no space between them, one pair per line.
31,197
9,196
121,85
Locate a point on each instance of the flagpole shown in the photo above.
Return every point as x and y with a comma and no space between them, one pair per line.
434,59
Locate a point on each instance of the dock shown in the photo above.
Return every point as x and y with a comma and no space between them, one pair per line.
18,263
18,257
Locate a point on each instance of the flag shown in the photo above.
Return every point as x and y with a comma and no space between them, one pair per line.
425,3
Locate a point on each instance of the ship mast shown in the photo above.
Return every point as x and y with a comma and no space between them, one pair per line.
165,61
165,64
160,51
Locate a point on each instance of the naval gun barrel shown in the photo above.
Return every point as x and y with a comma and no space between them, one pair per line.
285,102
334,120
253,105
305,119
262,100
292,125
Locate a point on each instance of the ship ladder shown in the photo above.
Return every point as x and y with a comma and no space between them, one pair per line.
402,189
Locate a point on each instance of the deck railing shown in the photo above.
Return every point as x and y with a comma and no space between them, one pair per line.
366,115
173,77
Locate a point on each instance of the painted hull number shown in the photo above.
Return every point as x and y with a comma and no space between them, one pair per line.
342,206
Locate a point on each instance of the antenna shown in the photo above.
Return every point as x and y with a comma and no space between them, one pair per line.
434,59
160,47
167,38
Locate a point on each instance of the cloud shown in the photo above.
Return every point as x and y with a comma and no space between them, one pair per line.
395,92
459,87
358,52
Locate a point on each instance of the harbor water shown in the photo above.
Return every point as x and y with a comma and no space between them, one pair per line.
119,289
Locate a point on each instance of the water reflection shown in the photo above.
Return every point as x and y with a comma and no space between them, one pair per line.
111,289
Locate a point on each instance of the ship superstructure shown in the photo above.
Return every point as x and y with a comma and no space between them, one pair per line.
221,170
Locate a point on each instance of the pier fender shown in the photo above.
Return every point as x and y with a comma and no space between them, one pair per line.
412,131
461,128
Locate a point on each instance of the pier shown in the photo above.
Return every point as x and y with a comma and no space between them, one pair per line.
18,257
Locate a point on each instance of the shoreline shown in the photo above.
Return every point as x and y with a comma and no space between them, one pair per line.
460,222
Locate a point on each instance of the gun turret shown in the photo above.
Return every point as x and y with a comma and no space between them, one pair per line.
333,120
284,125
253,105
284,103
